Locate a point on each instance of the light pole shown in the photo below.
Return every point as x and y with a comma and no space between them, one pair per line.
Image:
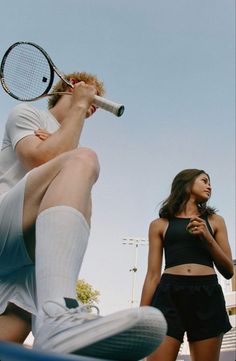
136,242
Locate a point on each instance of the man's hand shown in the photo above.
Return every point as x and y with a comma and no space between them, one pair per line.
42,134
83,96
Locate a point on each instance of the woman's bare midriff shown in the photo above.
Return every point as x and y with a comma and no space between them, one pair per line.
190,269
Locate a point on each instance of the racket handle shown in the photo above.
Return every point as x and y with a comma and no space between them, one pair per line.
110,106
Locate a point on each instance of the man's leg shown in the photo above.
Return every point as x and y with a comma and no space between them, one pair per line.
15,324
65,180
60,193
58,196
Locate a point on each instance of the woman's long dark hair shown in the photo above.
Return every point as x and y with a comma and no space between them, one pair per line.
180,194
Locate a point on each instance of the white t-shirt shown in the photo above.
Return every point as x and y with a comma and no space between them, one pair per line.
22,121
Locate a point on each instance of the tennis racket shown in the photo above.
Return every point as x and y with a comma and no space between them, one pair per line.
27,74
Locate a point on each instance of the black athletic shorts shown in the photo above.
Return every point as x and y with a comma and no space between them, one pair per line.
192,304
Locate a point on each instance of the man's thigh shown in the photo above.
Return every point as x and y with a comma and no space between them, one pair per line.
38,181
40,178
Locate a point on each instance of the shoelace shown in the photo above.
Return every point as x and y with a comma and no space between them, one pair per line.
88,307
83,309
79,313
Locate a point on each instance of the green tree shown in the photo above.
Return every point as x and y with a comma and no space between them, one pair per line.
86,294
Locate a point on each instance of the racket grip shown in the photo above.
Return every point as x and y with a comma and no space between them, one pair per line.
110,106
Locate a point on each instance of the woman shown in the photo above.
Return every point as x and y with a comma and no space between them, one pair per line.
193,239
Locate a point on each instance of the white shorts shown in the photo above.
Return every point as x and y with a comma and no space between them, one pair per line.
17,271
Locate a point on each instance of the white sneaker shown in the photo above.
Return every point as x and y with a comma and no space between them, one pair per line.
125,335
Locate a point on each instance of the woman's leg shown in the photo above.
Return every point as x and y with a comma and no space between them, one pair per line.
167,351
15,324
207,350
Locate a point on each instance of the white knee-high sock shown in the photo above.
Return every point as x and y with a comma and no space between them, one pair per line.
61,240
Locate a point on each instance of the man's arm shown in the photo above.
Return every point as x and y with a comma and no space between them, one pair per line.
32,151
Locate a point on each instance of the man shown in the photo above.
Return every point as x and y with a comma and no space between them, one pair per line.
45,191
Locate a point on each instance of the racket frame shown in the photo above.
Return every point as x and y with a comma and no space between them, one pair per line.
115,108
52,67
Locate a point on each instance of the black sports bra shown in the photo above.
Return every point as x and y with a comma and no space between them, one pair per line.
181,247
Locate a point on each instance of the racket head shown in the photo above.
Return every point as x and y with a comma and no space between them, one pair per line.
26,71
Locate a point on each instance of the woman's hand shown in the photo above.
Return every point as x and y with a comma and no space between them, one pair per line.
198,227
218,245
42,134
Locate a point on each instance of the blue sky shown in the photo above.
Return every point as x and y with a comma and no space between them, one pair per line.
172,63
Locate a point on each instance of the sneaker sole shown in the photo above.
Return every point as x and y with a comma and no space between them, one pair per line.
125,335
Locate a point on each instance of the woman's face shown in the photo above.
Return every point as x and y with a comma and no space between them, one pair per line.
201,188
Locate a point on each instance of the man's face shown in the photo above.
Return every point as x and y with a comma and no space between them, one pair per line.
92,109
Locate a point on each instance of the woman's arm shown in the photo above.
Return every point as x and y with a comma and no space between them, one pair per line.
220,248
154,261
218,245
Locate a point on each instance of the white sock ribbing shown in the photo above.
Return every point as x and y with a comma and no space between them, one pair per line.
61,240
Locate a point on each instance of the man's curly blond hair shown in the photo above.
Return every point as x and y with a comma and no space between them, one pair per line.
61,86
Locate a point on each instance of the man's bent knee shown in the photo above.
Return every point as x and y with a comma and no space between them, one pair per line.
86,158
82,159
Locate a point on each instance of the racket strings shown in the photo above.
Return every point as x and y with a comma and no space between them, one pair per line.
27,72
